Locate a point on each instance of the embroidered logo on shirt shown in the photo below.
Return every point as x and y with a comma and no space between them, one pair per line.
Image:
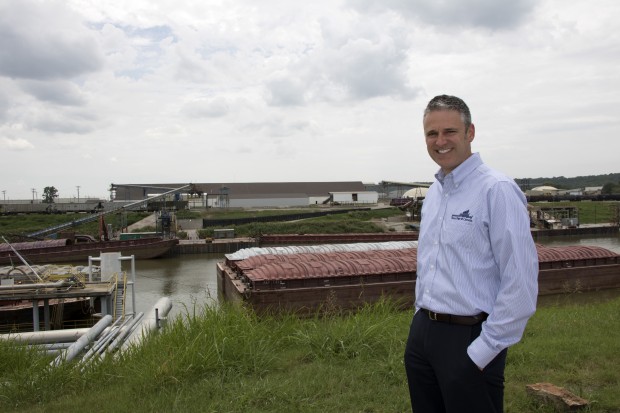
463,216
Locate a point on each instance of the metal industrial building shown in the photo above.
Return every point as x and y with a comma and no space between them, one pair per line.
251,194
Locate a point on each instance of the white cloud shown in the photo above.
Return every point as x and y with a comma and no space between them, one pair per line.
18,144
322,90
59,92
489,14
44,40
204,107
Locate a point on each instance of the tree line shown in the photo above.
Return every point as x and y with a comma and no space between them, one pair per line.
609,182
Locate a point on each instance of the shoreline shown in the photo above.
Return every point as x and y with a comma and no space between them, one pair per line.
200,246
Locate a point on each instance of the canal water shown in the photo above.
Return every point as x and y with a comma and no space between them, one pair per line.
190,280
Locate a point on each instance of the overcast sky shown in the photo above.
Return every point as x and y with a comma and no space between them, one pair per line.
94,92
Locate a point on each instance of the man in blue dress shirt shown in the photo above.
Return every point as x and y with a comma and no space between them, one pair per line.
477,273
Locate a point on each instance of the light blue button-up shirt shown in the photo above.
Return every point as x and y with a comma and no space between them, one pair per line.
476,254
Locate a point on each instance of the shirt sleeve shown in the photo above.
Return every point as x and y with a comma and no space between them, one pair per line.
517,260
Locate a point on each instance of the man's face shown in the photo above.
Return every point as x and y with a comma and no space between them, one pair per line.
447,141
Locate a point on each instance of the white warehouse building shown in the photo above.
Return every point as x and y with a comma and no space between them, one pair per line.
253,194
354,198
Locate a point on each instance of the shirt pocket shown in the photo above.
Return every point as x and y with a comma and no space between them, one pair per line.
459,230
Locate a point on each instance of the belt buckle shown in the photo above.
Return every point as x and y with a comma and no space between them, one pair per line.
432,315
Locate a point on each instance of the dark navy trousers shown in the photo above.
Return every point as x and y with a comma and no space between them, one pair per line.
442,378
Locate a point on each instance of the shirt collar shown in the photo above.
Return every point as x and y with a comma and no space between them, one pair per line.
460,172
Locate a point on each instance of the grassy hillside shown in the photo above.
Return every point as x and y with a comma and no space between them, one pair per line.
228,360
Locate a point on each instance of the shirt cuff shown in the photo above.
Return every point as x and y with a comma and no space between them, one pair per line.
480,353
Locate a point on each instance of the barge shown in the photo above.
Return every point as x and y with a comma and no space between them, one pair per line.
310,279
68,250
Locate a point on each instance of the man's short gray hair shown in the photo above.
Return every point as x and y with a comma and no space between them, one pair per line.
447,102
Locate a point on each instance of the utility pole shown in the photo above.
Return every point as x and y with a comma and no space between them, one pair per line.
78,189
4,194
34,191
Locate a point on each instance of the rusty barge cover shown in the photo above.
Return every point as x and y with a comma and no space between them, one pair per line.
305,281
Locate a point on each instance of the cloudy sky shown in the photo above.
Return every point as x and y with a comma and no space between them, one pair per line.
98,92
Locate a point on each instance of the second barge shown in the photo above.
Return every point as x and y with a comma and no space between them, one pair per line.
307,279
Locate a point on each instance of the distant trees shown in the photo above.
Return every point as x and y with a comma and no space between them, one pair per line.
554,184
611,188
49,193
562,182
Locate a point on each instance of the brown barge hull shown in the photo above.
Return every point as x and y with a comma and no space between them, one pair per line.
347,297
145,248
305,301
578,279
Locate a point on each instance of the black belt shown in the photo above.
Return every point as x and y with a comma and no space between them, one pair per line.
464,320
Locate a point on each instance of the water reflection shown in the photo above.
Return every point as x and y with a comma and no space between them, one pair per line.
190,280
604,241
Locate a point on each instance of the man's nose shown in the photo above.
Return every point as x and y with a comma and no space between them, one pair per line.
441,139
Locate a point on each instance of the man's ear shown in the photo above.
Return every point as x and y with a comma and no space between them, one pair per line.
471,133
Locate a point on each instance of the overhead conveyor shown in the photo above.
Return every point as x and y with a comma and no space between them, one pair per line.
95,217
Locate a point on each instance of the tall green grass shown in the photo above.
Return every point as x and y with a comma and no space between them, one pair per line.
351,222
226,359
13,227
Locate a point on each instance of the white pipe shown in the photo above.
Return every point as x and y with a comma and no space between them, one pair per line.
126,331
70,353
133,286
55,346
103,340
100,345
56,284
151,323
40,337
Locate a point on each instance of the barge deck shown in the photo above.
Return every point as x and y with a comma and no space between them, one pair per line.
304,282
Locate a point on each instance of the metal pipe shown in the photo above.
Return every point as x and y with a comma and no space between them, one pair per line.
41,337
126,331
57,284
35,314
70,353
133,283
151,323
100,345
110,340
54,346
104,340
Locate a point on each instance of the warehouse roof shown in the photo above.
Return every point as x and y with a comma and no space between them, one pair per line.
243,189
